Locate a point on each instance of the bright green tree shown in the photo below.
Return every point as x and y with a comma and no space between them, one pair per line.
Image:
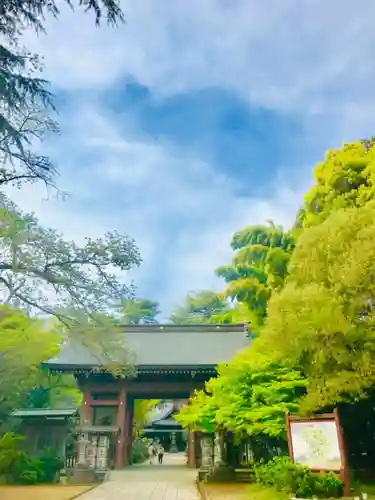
143,409
344,179
140,311
249,397
258,268
233,314
199,307
24,343
323,320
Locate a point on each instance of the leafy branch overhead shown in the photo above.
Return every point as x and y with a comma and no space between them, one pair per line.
42,271
25,98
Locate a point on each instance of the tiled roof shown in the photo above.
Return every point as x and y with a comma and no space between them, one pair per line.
44,412
160,346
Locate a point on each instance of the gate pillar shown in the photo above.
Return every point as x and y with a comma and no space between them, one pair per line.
121,444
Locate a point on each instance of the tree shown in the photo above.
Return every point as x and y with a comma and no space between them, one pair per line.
234,314
25,98
140,311
199,308
322,322
258,268
42,272
143,409
24,343
249,397
345,179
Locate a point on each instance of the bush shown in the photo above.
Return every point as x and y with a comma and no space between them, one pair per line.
34,470
9,451
139,450
283,475
28,470
51,464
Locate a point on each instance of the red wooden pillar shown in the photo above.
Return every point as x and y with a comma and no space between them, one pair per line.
86,410
121,438
192,459
129,412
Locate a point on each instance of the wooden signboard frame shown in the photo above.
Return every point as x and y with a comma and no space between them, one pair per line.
327,417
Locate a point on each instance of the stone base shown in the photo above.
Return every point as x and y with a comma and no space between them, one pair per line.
83,476
222,474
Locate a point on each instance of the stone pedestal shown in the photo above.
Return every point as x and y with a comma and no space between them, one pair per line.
83,441
207,445
102,453
221,471
219,450
83,475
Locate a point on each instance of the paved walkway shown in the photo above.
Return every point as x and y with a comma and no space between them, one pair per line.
170,481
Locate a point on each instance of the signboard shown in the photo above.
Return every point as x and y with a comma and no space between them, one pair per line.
316,444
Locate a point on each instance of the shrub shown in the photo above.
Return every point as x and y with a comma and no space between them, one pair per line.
9,451
139,450
28,470
283,475
34,470
51,464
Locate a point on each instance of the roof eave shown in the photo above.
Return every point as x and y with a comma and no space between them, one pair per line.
140,368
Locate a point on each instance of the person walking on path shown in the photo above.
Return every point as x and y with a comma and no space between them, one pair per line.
151,453
160,454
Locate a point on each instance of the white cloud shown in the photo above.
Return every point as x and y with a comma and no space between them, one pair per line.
180,211
291,55
311,58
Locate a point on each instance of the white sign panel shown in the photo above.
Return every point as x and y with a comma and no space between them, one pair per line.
316,444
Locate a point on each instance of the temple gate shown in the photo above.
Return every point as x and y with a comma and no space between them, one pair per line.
172,361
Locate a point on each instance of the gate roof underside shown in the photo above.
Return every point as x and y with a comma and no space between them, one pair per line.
164,346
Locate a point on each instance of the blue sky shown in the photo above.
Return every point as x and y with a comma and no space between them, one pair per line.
195,119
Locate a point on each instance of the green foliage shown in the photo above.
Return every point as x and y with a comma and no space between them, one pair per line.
200,413
139,450
310,296
259,267
236,313
323,320
51,464
24,97
24,343
249,397
41,271
54,391
9,451
142,410
34,470
140,311
28,470
283,475
200,307
345,179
